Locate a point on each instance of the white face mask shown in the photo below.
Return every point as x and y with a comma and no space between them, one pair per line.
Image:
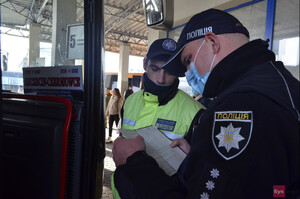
195,80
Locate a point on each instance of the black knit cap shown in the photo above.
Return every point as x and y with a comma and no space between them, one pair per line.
161,49
212,20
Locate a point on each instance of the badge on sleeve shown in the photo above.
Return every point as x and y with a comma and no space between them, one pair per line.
232,132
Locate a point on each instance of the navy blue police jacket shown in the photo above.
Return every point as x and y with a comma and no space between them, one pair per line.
246,144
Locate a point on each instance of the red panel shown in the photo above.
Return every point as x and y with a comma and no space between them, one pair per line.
65,131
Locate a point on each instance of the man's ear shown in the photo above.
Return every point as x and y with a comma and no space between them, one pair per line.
213,41
145,63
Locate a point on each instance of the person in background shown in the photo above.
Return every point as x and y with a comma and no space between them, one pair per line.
107,98
113,111
246,143
128,92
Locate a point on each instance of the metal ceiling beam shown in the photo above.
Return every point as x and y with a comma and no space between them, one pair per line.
135,20
40,11
31,7
128,34
139,44
121,8
121,21
79,5
114,35
16,3
12,26
15,10
123,13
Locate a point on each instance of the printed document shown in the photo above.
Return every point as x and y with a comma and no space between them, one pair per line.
158,147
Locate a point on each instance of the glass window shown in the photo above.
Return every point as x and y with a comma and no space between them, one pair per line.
286,34
39,39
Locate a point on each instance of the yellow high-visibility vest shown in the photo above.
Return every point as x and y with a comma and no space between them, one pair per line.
142,109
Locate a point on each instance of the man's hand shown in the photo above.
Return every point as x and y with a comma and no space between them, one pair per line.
123,148
182,144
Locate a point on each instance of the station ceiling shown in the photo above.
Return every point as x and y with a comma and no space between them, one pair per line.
123,20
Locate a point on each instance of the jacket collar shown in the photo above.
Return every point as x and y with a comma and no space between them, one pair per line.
232,67
164,93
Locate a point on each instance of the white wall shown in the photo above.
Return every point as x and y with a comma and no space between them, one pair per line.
185,9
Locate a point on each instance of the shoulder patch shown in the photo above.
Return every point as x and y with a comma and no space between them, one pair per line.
231,132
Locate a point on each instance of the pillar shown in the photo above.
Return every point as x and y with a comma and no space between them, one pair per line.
61,18
123,67
34,43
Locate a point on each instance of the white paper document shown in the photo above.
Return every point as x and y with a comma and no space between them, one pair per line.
158,147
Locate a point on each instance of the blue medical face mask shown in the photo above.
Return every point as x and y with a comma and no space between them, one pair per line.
195,80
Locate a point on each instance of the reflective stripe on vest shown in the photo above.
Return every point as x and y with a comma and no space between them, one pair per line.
129,122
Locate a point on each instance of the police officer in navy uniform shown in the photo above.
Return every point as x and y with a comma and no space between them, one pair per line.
246,144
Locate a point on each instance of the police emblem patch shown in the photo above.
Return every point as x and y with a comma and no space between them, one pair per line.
169,45
232,132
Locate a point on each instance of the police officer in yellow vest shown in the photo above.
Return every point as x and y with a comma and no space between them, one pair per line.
160,103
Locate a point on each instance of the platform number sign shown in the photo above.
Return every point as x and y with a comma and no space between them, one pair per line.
75,41
72,41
